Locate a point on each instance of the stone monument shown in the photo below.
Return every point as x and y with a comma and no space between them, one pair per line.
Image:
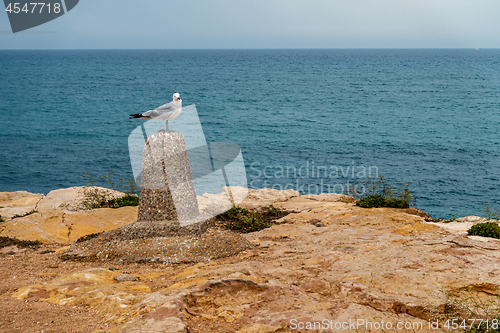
167,191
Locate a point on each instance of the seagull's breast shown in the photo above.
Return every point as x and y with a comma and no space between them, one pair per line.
176,113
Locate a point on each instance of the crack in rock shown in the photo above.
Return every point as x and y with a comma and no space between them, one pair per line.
36,205
70,227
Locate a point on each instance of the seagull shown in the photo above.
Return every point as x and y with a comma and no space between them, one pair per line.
165,112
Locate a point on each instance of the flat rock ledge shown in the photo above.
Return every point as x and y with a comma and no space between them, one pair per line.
160,242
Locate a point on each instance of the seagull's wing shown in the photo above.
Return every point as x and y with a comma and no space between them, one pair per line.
162,112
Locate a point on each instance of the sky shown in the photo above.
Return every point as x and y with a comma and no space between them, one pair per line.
264,24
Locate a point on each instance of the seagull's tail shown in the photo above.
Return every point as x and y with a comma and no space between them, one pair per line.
137,116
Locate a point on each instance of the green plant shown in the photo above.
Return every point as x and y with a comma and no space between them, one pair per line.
491,213
397,203
28,213
379,193
128,200
378,200
128,187
274,210
47,251
106,180
7,241
486,229
1,220
65,206
240,219
95,197
90,179
233,212
478,311
375,200
87,237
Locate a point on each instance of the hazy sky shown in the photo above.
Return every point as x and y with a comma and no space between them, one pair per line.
159,24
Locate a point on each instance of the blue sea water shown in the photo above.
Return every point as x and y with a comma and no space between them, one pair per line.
307,118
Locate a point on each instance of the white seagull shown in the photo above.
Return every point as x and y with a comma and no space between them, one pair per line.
165,112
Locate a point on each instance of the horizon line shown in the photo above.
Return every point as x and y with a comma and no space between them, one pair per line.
249,49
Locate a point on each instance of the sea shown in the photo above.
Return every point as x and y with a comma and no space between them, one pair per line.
311,120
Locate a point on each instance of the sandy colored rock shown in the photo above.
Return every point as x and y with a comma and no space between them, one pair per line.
462,224
47,227
95,288
17,203
19,199
125,277
261,200
327,259
98,220
58,217
56,226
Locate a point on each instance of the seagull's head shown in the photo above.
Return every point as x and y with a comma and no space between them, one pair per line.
177,98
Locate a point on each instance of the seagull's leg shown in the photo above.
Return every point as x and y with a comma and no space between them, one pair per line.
167,125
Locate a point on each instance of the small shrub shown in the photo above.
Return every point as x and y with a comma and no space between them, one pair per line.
373,189
274,210
93,197
241,220
487,229
47,251
233,212
480,311
128,200
87,237
376,200
128,187
397,203
7,241
27,214
1,220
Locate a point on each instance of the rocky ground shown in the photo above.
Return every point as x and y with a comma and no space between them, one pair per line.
326,262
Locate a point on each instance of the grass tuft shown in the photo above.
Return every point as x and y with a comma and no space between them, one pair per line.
241,220
7,241
379,193
27,214
87,237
